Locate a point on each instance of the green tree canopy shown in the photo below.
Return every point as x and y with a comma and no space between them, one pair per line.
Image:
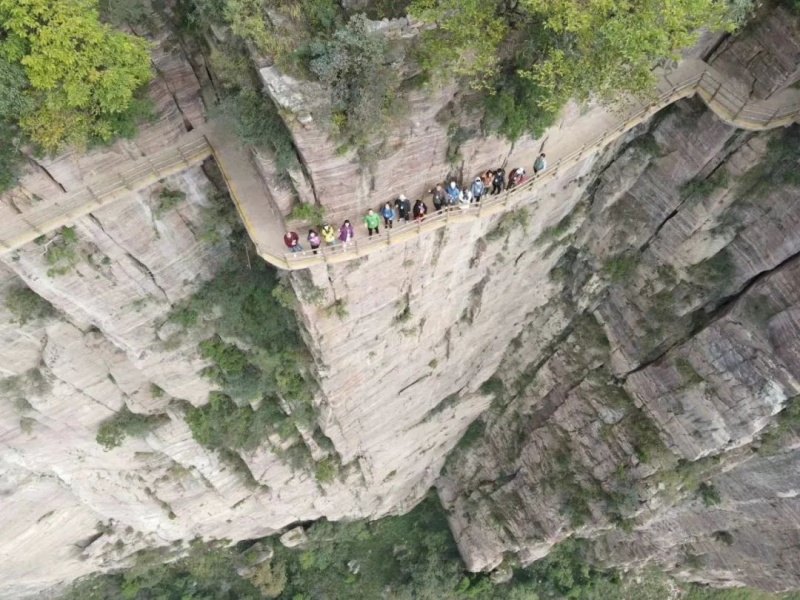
81,75
562,48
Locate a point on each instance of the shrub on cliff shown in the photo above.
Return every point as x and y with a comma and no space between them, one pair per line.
354,64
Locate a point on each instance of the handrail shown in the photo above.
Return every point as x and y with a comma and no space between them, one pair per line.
704,82
49,216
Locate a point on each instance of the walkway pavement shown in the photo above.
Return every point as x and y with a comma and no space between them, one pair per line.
584,136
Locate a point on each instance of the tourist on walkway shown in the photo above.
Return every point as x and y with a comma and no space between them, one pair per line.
403,207
439,198
465,198
499,181
517,177
346,233
328,234
313,240
540,165
292,241
477,189
487,179
372,221
420,210
453,193
388,215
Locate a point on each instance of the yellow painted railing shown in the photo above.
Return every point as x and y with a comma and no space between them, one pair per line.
50,215
715,93
695,77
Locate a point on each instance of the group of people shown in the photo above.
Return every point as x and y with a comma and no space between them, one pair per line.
491,182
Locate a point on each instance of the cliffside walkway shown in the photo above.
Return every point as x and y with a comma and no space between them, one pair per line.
585,136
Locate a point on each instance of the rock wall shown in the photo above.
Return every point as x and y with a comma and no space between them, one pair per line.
577,366
630,408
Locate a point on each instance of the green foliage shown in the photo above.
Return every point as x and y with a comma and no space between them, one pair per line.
81,74
354,65
787,424
689,376
715,272
408,557
447,402
310,213
516,219
337,308
709,494
555,232
258,125
26,305
113,431
127,12
223,424
61,252
622,267
168,199
515,108
562,48
493,386
326,470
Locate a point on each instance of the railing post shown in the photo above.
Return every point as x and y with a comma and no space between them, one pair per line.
93,195
716,91
286,260
183,156
125,182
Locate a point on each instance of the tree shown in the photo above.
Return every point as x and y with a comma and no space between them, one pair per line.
354,65
610,46
82,75
563,48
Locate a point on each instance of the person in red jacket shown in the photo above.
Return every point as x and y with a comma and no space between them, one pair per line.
292,241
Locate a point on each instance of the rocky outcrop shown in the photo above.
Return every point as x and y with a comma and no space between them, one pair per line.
665,370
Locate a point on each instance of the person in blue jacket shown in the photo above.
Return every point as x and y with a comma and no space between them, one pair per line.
453,193
388,214
478,189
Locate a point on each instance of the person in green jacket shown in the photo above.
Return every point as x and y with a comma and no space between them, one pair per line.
372,222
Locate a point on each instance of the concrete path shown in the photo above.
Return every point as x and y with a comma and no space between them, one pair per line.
565,148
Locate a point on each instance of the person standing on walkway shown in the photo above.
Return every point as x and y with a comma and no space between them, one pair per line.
328,234
420,210
452,194
388,215
292,241
540,165
438,198
477,189
403,207
487,179
517,177
372,221
313,240
499,181
346,233
465,198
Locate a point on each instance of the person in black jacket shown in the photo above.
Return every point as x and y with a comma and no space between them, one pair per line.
499,181
403,208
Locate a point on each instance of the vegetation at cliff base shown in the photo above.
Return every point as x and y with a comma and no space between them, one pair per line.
410,557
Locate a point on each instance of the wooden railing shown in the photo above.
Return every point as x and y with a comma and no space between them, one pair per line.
695,78
50,215
714,92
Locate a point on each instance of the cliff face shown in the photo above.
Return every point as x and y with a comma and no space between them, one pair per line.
606,360
672,354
